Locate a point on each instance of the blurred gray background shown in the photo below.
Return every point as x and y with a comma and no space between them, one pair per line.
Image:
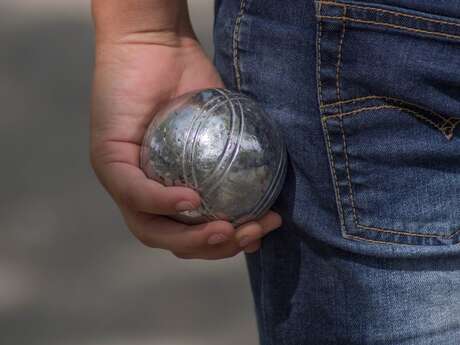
70,272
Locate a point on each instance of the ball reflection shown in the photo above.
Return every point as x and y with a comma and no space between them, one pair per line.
224,146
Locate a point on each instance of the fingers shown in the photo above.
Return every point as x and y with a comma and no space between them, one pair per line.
210,241
250,232
247,237
165,233
130,188
253,247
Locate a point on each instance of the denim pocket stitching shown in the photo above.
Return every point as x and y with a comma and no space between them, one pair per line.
353,237
326,129
440,122
448,123
385,98
339,60
447,131
395,13
404,232
236,44
351,193
318,60
336,184
340,108
433,33
392,14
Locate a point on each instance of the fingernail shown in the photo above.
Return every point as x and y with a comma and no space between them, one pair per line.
217,238
184,206
244,241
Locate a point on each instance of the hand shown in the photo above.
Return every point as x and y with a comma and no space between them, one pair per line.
134,75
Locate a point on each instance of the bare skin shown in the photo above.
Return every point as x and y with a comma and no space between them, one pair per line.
147,54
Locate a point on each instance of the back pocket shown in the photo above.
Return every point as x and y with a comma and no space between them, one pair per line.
389,93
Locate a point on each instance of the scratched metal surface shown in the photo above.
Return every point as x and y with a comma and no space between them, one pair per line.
223,145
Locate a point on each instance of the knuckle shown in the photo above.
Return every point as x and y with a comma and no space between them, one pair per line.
259,231
253,229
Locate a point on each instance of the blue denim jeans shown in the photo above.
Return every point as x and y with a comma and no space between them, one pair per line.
367,94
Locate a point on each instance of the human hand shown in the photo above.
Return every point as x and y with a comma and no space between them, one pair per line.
136,72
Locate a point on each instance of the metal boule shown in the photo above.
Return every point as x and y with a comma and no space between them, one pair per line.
221,144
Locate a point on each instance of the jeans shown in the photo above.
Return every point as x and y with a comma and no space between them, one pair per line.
367,95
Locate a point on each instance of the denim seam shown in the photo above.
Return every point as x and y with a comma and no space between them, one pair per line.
358,99
236,44
353,237
339,60
318,62
391,231
336,185
347,168
446,128
433,33
450,123
394,13
326,129
340,109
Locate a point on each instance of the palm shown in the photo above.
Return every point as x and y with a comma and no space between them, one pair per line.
139,79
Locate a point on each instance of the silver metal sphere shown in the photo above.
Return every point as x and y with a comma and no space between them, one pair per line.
221,144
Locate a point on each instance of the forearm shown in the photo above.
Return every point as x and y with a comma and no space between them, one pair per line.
141,19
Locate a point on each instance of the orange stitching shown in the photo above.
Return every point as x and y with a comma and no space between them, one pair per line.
446,126
391,231
328,139
390,99
353,100
347,168
336,185
380,242
339,59
354,112
236,44
344,148
318,62
452,121
395,13
454,37
338,91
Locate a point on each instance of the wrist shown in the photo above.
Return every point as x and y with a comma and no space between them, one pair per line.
164,22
